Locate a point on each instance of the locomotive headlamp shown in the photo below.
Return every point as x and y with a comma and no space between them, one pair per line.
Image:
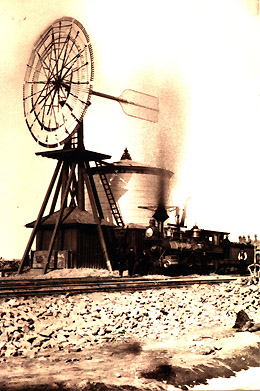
149,232
166,264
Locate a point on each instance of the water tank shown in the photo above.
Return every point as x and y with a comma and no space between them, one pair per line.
133,185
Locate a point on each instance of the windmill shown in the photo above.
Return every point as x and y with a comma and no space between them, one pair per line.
57,90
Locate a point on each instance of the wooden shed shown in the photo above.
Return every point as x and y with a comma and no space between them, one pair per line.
77,244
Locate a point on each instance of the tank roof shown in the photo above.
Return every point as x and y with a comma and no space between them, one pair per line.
130,166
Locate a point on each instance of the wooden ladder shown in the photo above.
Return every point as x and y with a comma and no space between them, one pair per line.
110,197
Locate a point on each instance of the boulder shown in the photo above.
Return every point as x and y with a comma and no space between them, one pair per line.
243,322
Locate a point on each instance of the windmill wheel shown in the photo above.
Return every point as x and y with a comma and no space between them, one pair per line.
58,82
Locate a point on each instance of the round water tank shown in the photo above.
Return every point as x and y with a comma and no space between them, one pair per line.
133,185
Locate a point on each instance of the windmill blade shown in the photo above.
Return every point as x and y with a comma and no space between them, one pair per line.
136,104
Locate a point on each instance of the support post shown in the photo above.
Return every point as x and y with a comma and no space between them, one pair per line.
64,178
96,217
57,192
43,207
80,189
63,204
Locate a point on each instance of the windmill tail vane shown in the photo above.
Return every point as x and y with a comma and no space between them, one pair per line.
136,104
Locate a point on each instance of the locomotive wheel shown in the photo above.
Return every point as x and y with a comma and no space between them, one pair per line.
185,265
211,266
196,264
215,266
220,266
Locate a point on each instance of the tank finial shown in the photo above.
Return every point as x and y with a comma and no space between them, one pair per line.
126,155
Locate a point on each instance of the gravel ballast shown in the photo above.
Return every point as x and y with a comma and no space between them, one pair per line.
37,327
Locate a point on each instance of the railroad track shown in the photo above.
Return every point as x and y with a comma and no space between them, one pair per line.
57,286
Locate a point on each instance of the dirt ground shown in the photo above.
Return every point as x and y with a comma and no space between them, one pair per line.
156,361
130,365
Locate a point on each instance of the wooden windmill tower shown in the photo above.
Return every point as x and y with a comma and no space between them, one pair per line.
57,89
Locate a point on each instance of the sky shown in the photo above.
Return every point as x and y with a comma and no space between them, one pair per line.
201,58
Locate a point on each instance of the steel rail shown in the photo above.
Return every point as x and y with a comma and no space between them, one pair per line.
59,286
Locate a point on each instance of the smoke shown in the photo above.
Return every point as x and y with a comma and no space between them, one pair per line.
163,145
209,112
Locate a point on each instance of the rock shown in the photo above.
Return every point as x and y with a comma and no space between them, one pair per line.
82,321
242,320
11,351
255,327
38,342
208,350
13,302
60,338
17,335
4,337
46,344
74,349
254,288
2,345
31,354
247,326
24,345
46,332
95,330
26,329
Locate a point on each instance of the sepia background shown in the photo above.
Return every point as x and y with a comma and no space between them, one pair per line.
201,58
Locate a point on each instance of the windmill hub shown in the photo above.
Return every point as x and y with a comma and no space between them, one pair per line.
57,83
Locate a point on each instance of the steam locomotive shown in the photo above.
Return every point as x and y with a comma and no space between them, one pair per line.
199,251
176,250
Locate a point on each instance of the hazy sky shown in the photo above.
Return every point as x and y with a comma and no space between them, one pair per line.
200,57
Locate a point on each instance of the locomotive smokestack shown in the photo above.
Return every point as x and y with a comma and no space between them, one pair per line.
160,216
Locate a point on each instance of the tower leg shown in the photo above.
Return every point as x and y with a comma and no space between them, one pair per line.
63,205
80,190
96,217
43,207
